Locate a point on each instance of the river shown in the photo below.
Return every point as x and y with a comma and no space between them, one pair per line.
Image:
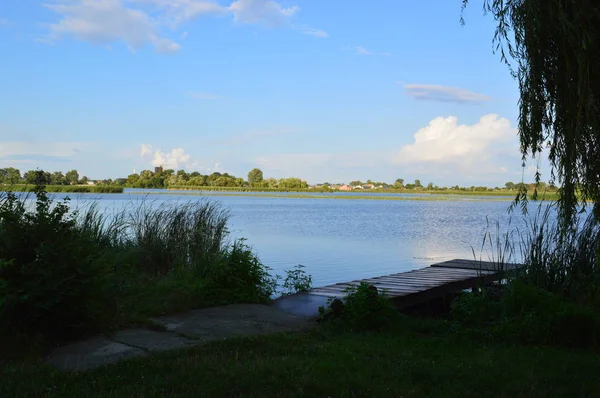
339,240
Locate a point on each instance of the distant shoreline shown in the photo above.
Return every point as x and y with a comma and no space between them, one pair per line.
63,188
312,194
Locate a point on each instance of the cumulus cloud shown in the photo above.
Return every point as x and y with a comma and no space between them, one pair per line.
444,146
175,159
265,12
106,21
438,93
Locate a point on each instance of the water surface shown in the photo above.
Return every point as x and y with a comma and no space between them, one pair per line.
340,240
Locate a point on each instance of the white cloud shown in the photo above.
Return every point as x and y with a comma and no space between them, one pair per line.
140,22
175,12
175,159
438,93
314,32
265,12
444,146
105,21
362,51
204,96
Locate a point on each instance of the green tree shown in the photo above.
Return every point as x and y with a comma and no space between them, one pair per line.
418,184
10,175
84,180
224,182
72,177
270,183
58,178
509,185
555,45
355,183
133,179
197,181
399,183
255,177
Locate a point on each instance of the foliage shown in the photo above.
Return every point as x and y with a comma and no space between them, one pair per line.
65,188
255,177
364,308
556,46
297,280
52,278
528,314
241,274
563,262
65,271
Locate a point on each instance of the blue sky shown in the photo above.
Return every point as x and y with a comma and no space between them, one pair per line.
324,90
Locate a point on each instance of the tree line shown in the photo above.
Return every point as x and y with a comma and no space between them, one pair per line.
158,178
11,176
161,179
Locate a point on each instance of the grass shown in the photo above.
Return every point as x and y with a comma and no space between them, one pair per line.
63,188
414,358
65,272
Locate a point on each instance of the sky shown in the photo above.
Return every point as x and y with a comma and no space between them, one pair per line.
324,90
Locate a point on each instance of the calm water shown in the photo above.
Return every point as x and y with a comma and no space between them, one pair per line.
340,240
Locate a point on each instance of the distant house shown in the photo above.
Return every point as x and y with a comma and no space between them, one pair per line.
357,187
91,182
368,186
345,187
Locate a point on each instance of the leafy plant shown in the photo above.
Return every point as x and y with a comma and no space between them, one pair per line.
362,308
528,314
52,278
297,280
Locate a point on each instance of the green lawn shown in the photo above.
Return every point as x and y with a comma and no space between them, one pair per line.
415,359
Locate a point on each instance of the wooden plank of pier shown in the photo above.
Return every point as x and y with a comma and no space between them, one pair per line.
406,289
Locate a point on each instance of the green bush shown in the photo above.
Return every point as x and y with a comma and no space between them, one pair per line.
362,308
64,272
240,274
52,278
525,313
296,281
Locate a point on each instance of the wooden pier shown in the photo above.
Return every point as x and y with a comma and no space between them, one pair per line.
406,289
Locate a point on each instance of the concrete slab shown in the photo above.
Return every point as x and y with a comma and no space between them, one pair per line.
235,320
152,340
302,304
91,353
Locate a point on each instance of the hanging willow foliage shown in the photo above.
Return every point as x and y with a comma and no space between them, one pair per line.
552,48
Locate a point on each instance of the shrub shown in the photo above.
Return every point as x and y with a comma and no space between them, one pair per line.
296,281
565,262
52,278
240,274
362,308
528,314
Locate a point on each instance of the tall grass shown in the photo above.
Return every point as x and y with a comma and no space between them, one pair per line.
82,269
562,261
